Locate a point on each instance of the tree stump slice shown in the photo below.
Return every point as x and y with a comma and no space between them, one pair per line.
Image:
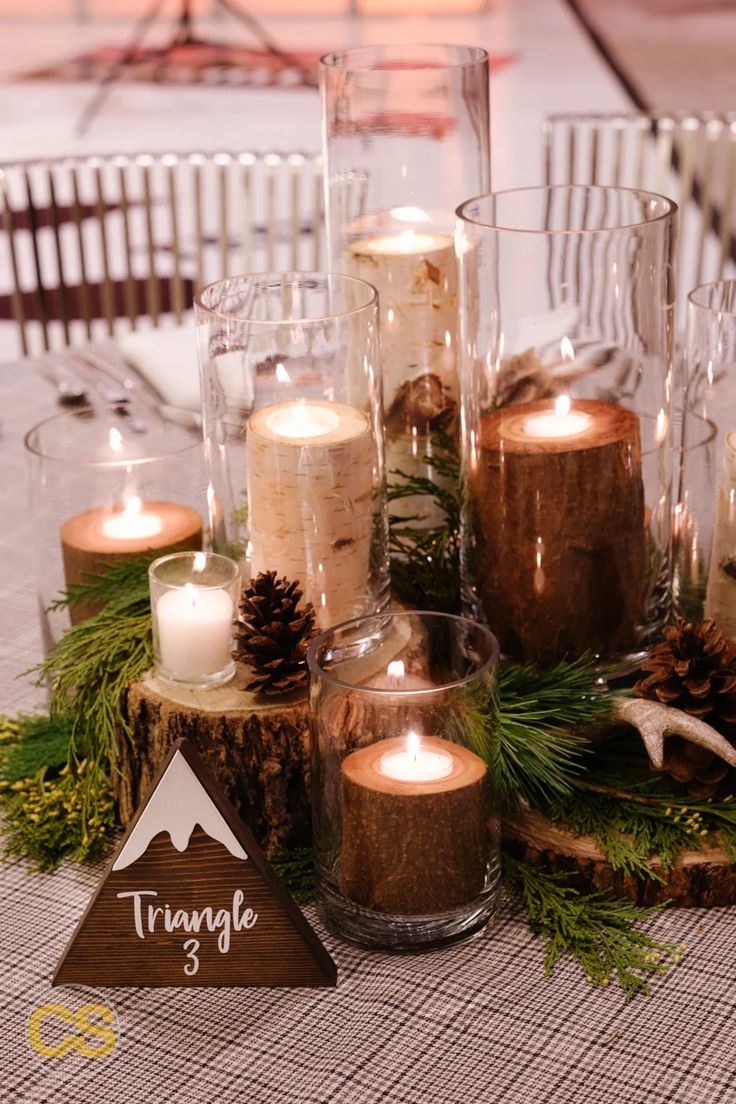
258,749
698,879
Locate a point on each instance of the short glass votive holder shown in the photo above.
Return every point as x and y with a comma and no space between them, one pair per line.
406,836
193,596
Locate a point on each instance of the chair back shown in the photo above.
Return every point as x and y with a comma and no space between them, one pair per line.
95,245
691,158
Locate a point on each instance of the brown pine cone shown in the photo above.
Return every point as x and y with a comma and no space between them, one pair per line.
694,669
273,634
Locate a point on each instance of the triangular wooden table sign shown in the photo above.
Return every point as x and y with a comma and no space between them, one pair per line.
190,899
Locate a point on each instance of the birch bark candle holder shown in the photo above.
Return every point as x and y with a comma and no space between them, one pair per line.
106,486
705,503
294,440
565,330
406,139
406,837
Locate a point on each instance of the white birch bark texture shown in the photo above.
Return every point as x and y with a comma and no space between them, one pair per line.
310,502
415,275
720,598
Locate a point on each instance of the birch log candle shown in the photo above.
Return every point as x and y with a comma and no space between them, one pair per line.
415,274
310,501
720,598
103,535
414,826
558,512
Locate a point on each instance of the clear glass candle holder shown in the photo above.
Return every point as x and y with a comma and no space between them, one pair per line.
406,833
293,421
705,498
108,483
193,603
566,331
406,139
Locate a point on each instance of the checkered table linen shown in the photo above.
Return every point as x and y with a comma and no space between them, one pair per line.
474,1023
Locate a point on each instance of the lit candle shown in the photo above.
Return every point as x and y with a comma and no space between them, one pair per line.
414,271
558,513
414,825
194,625
310,501
103,535
557,423
415,763
131,523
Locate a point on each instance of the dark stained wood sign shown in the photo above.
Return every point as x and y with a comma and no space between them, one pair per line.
190,899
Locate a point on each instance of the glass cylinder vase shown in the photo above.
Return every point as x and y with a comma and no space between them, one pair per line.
293,421
406,138
107,484
705,498
566,330
406,834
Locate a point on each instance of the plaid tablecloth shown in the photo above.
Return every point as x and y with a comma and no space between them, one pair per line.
472,1023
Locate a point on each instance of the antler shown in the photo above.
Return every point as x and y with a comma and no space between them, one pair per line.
654,721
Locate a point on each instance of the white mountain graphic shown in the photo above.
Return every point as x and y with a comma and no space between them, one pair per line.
178,804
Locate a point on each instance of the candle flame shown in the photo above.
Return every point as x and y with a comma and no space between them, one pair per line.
132,506
567,349
562,404
200,562
282,375
189,591
395,670
116,440
412,744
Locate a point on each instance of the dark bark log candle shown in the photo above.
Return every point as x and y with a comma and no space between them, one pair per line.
559,526
414,826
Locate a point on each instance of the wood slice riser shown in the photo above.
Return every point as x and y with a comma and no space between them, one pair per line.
699,879
259,752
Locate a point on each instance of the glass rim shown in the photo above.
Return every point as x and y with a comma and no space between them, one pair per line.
693,300
668,213
157,563
371,302
316,668
335,59
102,465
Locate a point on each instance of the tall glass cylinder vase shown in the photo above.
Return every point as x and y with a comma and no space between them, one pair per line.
705,499
293,421
566,330
406,138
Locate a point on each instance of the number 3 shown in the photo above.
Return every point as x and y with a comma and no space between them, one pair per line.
191,947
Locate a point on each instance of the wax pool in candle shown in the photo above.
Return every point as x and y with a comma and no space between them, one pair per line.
559,422
404,243
415,763
194,626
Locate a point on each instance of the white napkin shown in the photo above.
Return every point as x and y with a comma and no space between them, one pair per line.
167,359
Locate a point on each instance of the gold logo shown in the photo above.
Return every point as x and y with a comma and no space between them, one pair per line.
56,1030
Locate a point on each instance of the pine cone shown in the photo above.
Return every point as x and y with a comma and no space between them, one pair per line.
694,669
273,634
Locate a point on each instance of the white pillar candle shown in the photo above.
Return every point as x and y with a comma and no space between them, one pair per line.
194,627
310,501
720,598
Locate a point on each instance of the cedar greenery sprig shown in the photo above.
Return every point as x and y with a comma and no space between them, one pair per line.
601,933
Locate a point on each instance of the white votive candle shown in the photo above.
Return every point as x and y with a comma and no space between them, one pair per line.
415,763
194,631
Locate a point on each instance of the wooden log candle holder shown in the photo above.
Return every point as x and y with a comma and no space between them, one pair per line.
560,528
258,748
413,848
